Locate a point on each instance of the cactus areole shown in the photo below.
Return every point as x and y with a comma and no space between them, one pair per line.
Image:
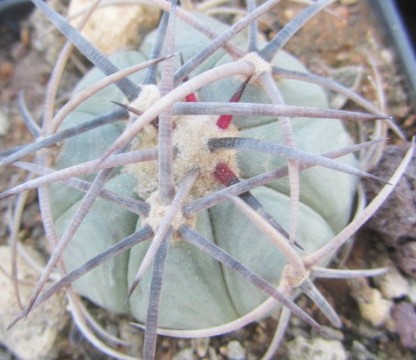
198,292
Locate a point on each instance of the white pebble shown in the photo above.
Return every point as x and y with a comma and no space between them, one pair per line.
235,351
375,309
316,349
392,285
33,338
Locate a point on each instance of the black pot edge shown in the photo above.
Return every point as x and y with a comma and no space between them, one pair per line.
393,26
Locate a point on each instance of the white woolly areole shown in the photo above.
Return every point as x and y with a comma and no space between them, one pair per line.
190,138
147,97
261,66
158,211
145,173
147,138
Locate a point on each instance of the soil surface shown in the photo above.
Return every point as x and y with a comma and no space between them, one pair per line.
348,34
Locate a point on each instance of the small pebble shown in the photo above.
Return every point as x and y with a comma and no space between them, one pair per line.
375,309
185,354
316,349
112,28
212,353
235,351
392,285
200,345
35,337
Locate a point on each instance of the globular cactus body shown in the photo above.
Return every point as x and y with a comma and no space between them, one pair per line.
198,292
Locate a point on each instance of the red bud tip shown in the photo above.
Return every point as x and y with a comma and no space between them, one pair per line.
191,98
224,121
225,175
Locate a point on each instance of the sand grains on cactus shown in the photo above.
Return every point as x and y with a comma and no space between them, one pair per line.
197,193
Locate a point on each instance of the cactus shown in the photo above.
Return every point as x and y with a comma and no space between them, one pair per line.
202,201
